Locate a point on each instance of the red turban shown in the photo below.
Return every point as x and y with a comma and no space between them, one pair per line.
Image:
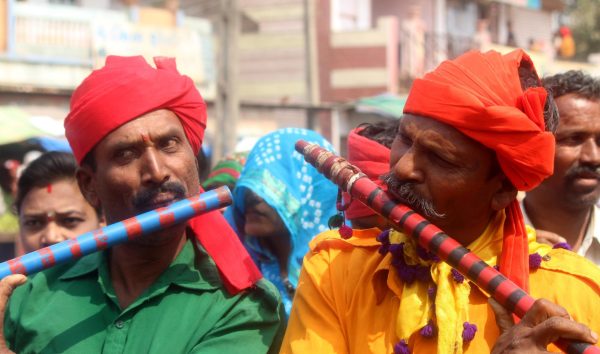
480,95
127,88
373,159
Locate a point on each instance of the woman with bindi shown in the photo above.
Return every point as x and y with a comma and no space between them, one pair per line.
49,203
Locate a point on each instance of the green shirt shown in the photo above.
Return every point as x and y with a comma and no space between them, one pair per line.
73,308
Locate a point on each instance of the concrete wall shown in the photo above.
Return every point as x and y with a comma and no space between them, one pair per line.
272,61
400,9
534,24
364,63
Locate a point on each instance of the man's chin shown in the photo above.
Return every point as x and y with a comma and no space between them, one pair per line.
162,236
583,201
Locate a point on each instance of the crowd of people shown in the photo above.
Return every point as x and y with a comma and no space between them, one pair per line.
504,162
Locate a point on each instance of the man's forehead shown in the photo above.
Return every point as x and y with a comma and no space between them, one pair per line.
422,123
147,126
435,132
576,110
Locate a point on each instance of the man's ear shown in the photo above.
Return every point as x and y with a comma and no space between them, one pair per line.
504,195
87,185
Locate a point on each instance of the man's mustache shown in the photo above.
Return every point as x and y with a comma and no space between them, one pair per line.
406,194
143,201
583,170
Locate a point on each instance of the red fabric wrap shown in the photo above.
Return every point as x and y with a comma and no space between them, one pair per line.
480,95
126,88
373,159
123,90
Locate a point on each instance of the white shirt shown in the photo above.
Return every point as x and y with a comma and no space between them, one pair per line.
590,246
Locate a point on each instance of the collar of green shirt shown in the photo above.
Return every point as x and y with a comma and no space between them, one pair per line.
191,269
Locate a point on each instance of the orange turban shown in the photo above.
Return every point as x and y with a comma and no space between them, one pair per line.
373,159
480,95
127,88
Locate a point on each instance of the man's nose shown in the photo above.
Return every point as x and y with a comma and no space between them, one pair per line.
407,167
52,234
590,152
154,169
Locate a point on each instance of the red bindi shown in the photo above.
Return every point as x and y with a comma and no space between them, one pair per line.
49,188
146,139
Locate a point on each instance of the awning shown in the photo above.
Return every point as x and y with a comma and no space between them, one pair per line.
16,125
532,4
386,104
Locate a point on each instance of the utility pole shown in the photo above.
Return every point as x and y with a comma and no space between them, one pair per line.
227,103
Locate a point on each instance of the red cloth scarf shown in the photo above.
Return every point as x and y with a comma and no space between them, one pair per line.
373,159
123,90
480,95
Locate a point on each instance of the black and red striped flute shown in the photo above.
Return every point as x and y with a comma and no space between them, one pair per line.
360,187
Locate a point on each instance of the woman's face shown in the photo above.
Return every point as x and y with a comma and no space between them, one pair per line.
261,220
54,213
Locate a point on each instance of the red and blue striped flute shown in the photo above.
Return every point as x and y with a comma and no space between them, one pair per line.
117,233
429,236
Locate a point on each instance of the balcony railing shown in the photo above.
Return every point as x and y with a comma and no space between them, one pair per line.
75,39
419,53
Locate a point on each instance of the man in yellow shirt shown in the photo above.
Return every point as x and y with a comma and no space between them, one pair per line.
474,132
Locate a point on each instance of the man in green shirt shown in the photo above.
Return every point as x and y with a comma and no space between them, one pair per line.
135,131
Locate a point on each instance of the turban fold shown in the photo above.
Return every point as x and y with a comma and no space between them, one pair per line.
373,159
480,95
127,88
227,171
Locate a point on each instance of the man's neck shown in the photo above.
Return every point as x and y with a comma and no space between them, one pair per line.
570,224
134,267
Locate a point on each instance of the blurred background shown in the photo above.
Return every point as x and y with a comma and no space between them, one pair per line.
326,65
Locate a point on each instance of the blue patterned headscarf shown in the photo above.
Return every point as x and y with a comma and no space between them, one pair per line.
303,198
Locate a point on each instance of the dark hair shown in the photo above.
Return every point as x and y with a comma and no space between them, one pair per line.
529,78
89,160
49,167
573,81
382,132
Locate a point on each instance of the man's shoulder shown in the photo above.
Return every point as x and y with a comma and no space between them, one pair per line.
561,264
332,240
262,291
266,293
342,259
68,270
48,283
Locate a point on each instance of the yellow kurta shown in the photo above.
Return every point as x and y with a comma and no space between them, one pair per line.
348,298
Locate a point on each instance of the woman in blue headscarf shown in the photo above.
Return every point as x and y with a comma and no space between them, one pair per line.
280,203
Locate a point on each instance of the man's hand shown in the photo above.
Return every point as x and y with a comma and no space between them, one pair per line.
544,323
7,285
547,237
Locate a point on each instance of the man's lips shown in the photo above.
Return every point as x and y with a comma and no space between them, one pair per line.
161,201
586,180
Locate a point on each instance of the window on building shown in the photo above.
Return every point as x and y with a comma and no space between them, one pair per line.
350,15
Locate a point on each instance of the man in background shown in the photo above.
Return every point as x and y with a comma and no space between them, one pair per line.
563,207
